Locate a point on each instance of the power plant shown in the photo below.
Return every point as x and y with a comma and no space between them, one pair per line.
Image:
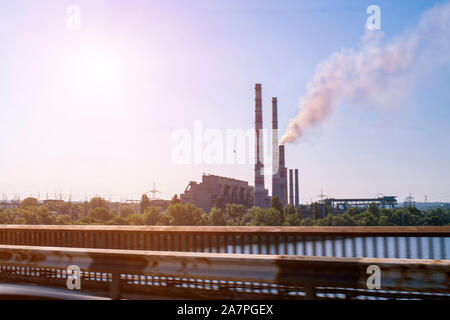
204,195
279,176
212,187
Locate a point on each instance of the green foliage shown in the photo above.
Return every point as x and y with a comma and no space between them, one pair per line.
316,211
63,219
100,214
145,203
152,215
98,202
266,217
185,215
276,204
292,220
164,220
219,204
118,220
126,210
216,217
353,211
366,218
306,222
136,219
437,217
87,220
4,217
96,212
44,216
29,202
289,210
234,214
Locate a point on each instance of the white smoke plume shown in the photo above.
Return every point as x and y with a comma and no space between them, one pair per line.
368,71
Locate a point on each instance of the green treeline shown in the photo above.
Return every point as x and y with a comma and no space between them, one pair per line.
96,211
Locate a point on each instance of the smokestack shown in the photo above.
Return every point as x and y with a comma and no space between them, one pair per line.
297,197
259,157
275,114
275,152
291,187
281,152
282,176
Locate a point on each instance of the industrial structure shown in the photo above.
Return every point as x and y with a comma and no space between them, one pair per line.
276,179
285,187
279,176
204,195
261,194
282,173
344,204
297,194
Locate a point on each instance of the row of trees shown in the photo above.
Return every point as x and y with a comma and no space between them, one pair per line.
97,211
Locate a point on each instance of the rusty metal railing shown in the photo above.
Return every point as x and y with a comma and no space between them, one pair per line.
381,242
150,274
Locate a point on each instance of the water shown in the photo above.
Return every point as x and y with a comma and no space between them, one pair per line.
384,247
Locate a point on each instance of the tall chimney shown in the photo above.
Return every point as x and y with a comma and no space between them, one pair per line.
275,152
259,157
283,177
291,187
297,197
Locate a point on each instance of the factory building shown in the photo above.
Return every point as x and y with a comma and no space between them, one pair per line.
203,195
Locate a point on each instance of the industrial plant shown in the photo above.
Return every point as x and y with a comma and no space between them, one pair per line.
285,181
212,187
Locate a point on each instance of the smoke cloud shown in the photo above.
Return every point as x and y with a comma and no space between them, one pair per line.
373,70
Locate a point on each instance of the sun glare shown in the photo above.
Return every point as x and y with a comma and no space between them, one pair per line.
95,68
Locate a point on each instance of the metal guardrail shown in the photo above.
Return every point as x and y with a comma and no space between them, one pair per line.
381,242
146,274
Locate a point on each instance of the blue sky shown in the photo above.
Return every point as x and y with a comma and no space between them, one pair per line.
158,66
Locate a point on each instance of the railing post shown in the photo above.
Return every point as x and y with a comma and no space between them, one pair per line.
310,292
375,247
115,286
430,248
210,245
419,247
218,240
397,248
408,247
442,245
294,243
324,249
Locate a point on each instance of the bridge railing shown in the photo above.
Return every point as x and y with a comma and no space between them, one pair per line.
382,242
150,274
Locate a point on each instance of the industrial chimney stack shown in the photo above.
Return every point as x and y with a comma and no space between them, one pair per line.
291,187
275,152
283,177
260,195
297,197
